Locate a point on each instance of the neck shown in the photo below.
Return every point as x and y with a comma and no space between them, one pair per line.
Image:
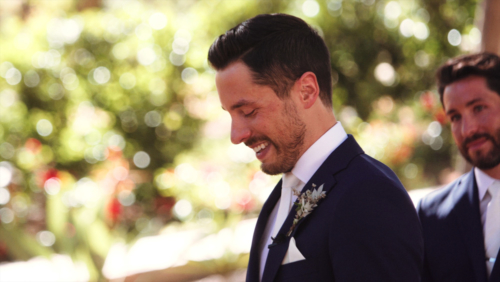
317,125
493,172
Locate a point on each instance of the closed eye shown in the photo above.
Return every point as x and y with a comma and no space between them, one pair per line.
250,113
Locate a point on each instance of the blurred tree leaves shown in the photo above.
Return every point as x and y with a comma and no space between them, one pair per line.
110,125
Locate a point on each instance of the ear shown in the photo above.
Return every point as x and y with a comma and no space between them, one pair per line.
308,88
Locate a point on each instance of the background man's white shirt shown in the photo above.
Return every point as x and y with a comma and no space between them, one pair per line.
483,181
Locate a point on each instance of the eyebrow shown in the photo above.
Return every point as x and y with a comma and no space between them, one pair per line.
240,104
472,102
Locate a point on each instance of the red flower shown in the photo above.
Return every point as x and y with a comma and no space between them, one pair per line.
114,209
33,145
440,116
163,205
244,200
428,100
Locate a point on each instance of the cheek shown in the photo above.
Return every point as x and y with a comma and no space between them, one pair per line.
456,133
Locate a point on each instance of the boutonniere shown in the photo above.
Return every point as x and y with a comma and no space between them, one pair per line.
305,204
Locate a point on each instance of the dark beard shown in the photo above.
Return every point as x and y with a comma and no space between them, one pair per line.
486,160
289,153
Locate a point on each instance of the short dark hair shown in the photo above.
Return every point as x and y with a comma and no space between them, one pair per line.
483,64
278,49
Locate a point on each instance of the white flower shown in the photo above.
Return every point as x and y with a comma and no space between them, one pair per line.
307,201
317,193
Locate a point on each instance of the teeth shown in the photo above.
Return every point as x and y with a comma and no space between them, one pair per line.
260,147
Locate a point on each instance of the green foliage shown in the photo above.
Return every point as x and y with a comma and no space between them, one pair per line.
111,128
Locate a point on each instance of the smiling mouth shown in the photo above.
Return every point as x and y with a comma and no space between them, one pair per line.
476,142
261,147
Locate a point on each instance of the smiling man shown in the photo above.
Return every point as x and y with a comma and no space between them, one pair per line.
461,222
353,220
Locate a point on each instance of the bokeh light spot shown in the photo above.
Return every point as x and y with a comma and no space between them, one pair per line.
6,215
141,159
434,129
421,31
411,171
5,173
4,67
146,56
126,198
186,173
180,46
56,91
152,118
102,75
392,10
44,127
143,32
176,59
437,143
384,72
4,195
7,98
422,59
189,75
7,151
310,8
120,173
475,36
406,27
13,76
121,51
454,37
117,141
31,79
127,80
46,238
183,209
52,186
157,21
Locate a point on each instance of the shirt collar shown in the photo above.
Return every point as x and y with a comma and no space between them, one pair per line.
483,181
314,157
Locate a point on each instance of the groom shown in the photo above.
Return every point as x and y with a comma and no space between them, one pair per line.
274,79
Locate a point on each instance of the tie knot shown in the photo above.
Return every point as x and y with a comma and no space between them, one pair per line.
290,181
494,189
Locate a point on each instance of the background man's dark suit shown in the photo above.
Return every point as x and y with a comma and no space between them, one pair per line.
366,229
453,234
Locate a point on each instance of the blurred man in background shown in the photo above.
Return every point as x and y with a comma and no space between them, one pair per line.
461,222
274,79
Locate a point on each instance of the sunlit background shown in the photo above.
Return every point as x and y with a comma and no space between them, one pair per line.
115,159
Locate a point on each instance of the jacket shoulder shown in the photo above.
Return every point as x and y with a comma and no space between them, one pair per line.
372,170
432,203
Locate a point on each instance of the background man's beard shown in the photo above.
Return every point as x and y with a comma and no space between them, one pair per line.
290,153
486,160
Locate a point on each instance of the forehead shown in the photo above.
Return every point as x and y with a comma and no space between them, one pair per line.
235,84
462,92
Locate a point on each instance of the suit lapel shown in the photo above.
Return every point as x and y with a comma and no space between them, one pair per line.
469,220
336,162
253,272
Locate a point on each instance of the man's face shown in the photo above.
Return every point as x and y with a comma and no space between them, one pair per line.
474,112
270,126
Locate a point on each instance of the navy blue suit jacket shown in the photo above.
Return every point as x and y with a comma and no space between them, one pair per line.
366,229
453,234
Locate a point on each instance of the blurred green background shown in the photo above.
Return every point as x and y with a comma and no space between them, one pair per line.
111,129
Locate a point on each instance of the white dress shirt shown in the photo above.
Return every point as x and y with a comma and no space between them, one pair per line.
483,181
304,169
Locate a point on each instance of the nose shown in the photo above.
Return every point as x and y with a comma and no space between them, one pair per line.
239,132
469,126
